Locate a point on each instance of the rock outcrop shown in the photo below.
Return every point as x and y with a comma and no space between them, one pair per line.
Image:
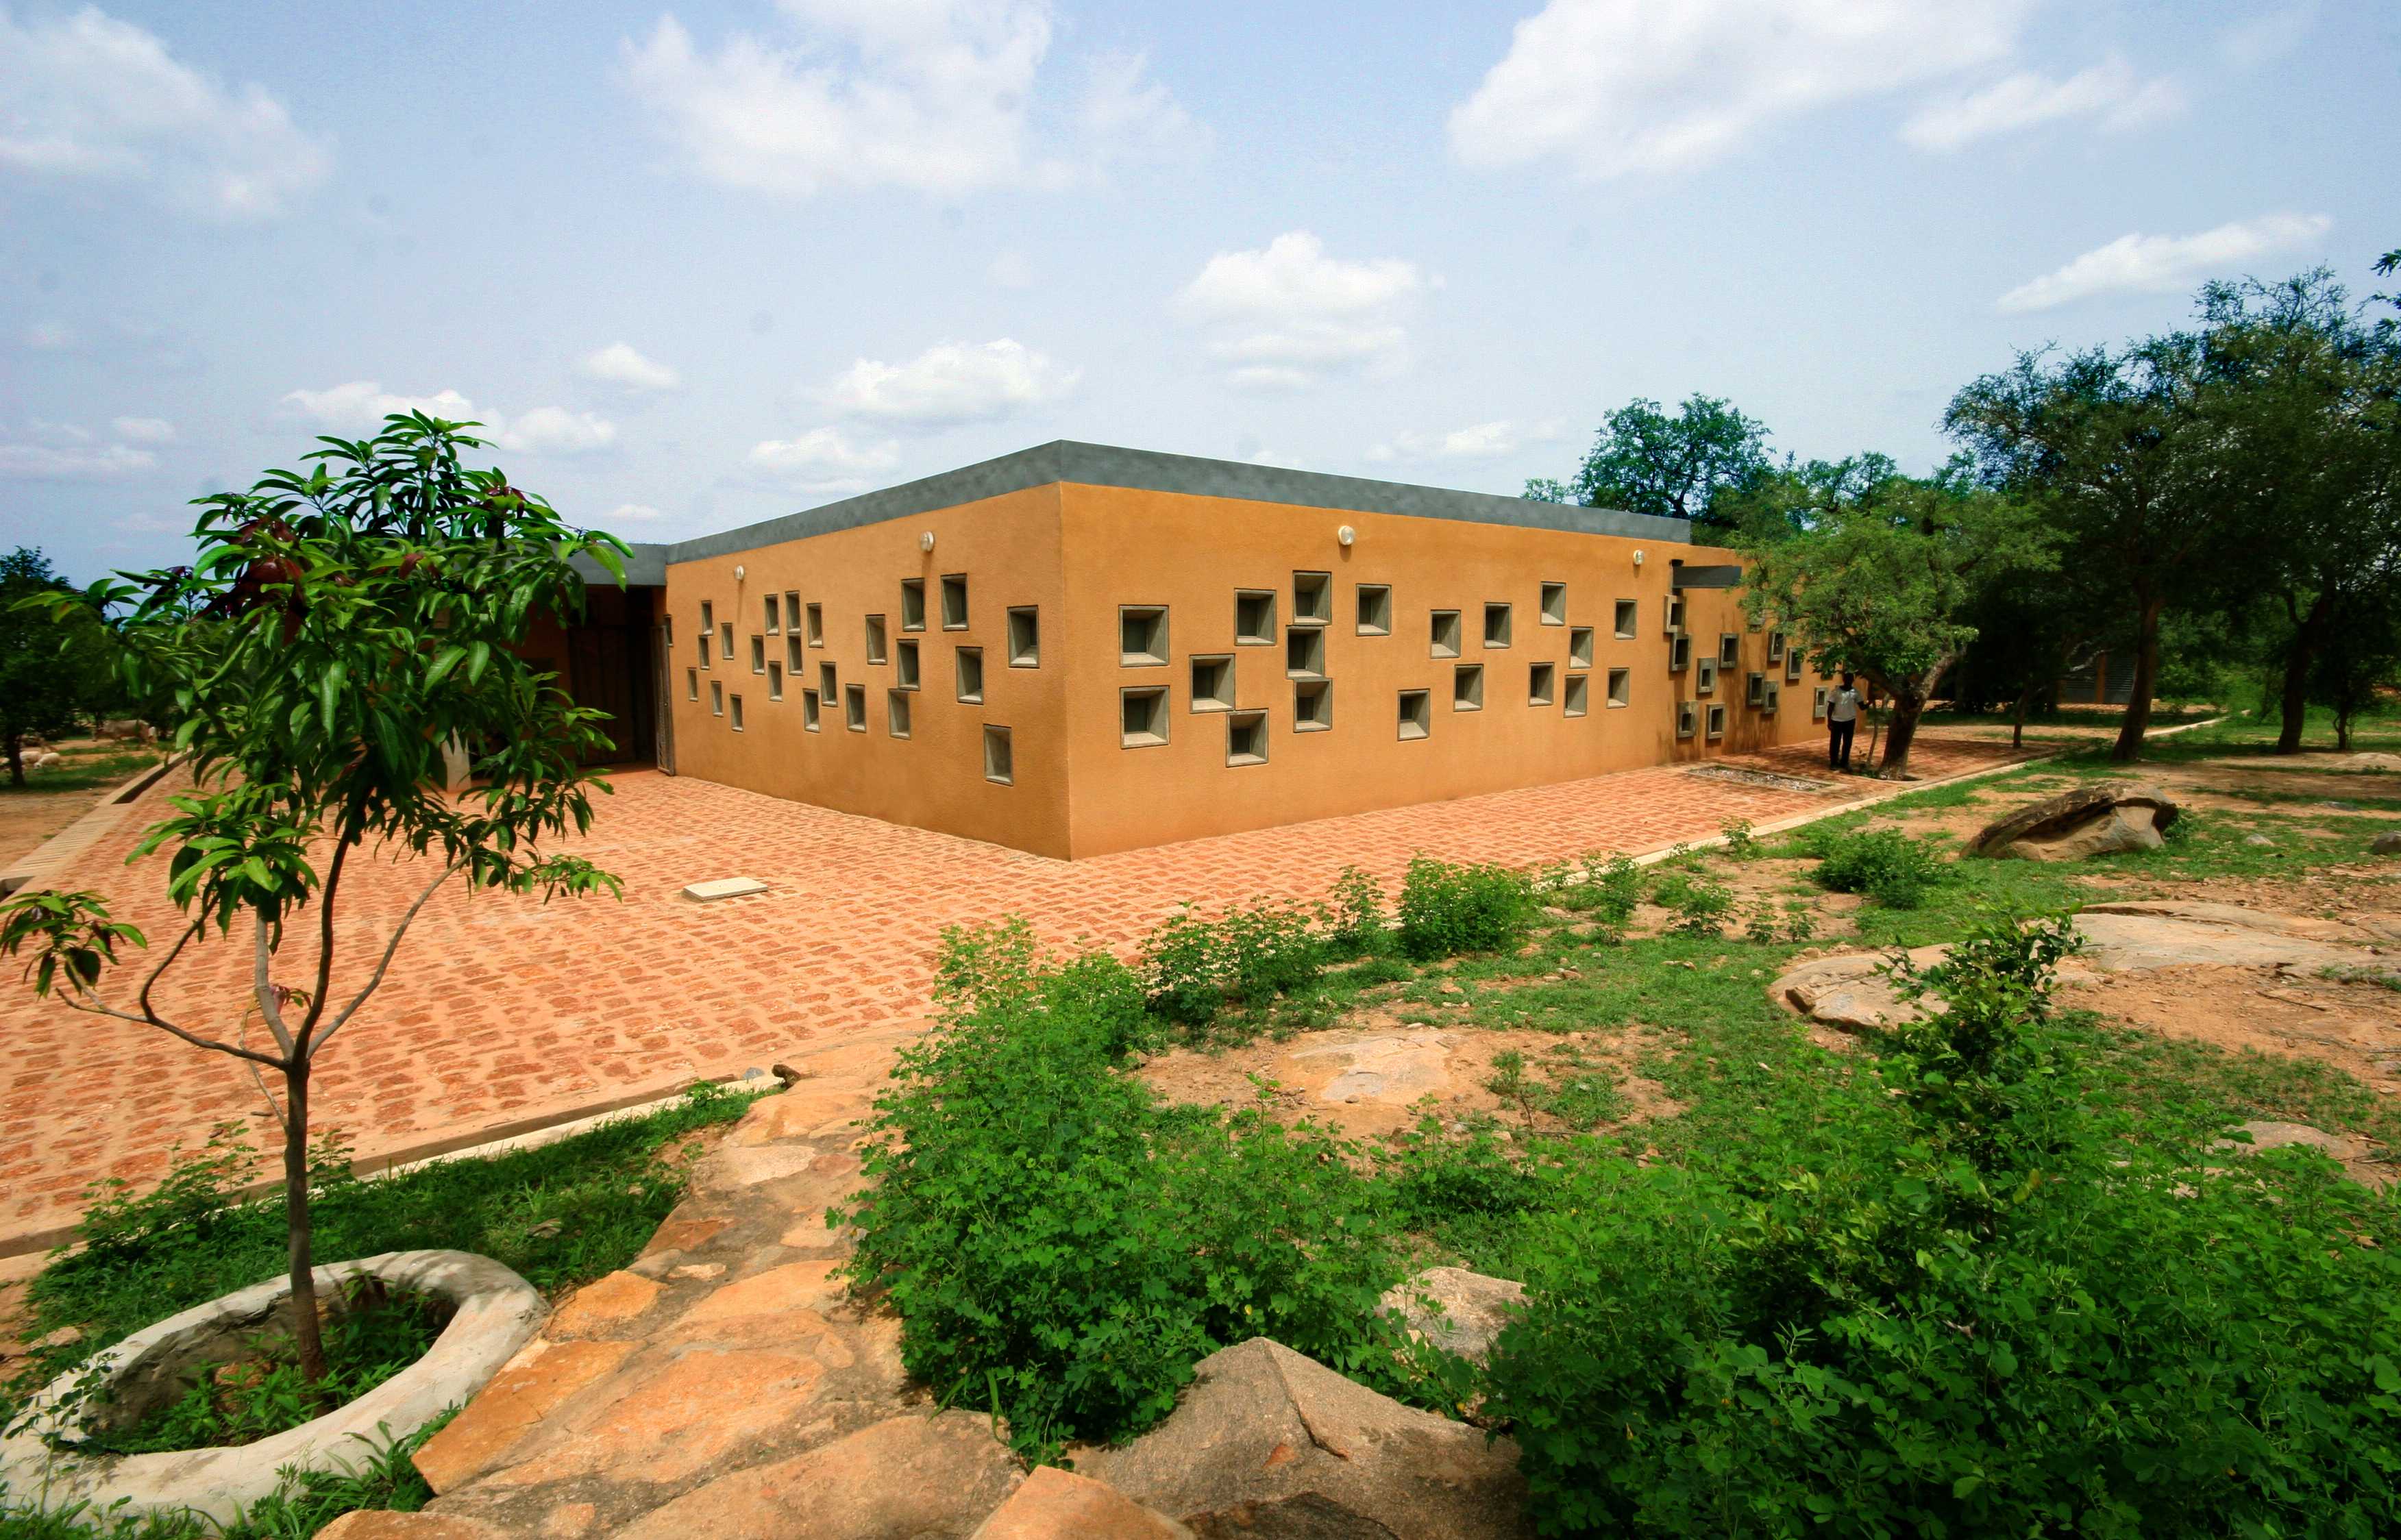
1267,1443
2095,820
1457,1310
1059,1505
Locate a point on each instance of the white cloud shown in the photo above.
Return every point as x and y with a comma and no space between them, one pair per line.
1483,440
823,461
2140,264
46,463
938,96
2110,93
1625,86
1287,313
630,514
555,430
360,406
619,365
145,430
2264,38
951,384
88,97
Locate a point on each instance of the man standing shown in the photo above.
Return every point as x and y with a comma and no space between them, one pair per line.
1842,721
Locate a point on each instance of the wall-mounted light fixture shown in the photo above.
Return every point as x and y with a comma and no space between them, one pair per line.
1346,534
738,573
1637,558
926,542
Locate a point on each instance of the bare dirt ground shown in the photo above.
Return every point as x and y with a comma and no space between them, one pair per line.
32,815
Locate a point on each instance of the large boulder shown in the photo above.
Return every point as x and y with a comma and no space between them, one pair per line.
1457,1310
2095,820
1058,1504
1271,1445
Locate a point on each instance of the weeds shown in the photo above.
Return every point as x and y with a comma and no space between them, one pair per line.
1889,866
1448,909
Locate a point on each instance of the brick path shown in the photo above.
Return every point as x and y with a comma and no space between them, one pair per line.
500,1010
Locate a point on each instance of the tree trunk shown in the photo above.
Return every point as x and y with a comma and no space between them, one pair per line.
16,760
2017,721
2308,637
1906,709
306,1336
2129,746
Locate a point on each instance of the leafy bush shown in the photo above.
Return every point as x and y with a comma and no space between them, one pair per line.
1700,903
1972,1309
1607,888
1060,1247
1740,843
1356,926
1446,909
1193,969
1886,864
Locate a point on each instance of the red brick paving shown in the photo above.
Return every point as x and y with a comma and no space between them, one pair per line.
502,1008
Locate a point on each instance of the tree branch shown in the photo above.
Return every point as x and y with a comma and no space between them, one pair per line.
93,1005
268,1005
375,981
152,1016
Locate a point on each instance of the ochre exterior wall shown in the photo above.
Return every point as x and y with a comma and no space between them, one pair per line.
1008,547
1078,553
1132,547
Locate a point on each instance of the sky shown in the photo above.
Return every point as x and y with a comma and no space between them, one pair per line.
699,267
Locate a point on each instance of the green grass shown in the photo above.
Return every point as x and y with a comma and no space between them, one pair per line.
81,772
560,1215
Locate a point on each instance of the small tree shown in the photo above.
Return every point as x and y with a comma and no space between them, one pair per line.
337,628
52,664
1646,461
1875,578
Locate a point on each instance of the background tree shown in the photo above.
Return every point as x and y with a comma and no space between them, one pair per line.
2129,454
337,626
2360,659
53,665
1874,573
1680,467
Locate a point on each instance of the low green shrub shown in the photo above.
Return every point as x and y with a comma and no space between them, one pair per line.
1740,843
1194,968
1355,922
1700,903
1062,1247
1608,888
1889,866
1974,1308
1446,908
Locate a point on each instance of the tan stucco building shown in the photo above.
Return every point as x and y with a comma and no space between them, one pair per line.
1077,650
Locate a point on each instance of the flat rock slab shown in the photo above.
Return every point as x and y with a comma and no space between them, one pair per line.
1395,1068
2116,943
1457,1310
724,887
907,1478
1059,1505
1852,992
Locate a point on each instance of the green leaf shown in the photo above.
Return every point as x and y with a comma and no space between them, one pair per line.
329,689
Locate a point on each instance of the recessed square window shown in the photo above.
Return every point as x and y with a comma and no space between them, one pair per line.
792,658
1312,705
1025,637
954,602
725,639
875,638
1254,617
1417,714
896,713
970,675
854,707
1555,604
1312,598
1542,684
1496,625
737,714
1304,652
999,760
816,618
1628,617
1792,665
1817,705
1688,719
912,603
827,689
1213,683
707,640
707,618
1675,613
905,670
1580,647
775,615
1755,690
792,616
774,681
1142,717
1775,647
1246,737
1445,633
1716,721
1142,635
811,716
692,684
758,655
1774,697
1679,654
1374,610
1579,696
1621,687
716,699
1705,679
1467,688
1729,650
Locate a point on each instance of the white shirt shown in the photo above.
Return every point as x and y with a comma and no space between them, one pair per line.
1843,706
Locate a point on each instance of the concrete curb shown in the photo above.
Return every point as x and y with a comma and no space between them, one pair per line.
497,1313
38,866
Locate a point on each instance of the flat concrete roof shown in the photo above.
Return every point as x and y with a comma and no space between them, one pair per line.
1147,470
